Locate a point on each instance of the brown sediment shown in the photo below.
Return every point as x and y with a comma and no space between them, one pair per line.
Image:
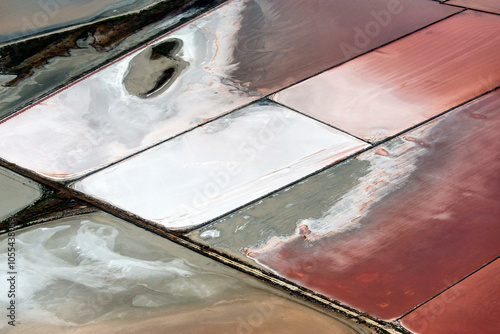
155,69
168,48
436,228
22,58
162,80
471,306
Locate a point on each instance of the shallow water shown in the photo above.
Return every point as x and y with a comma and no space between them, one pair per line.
95,273
23,18
17,192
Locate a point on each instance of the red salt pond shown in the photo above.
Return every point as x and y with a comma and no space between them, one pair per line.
440,224
471,306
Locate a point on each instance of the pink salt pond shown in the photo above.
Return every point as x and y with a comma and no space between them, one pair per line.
405,82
